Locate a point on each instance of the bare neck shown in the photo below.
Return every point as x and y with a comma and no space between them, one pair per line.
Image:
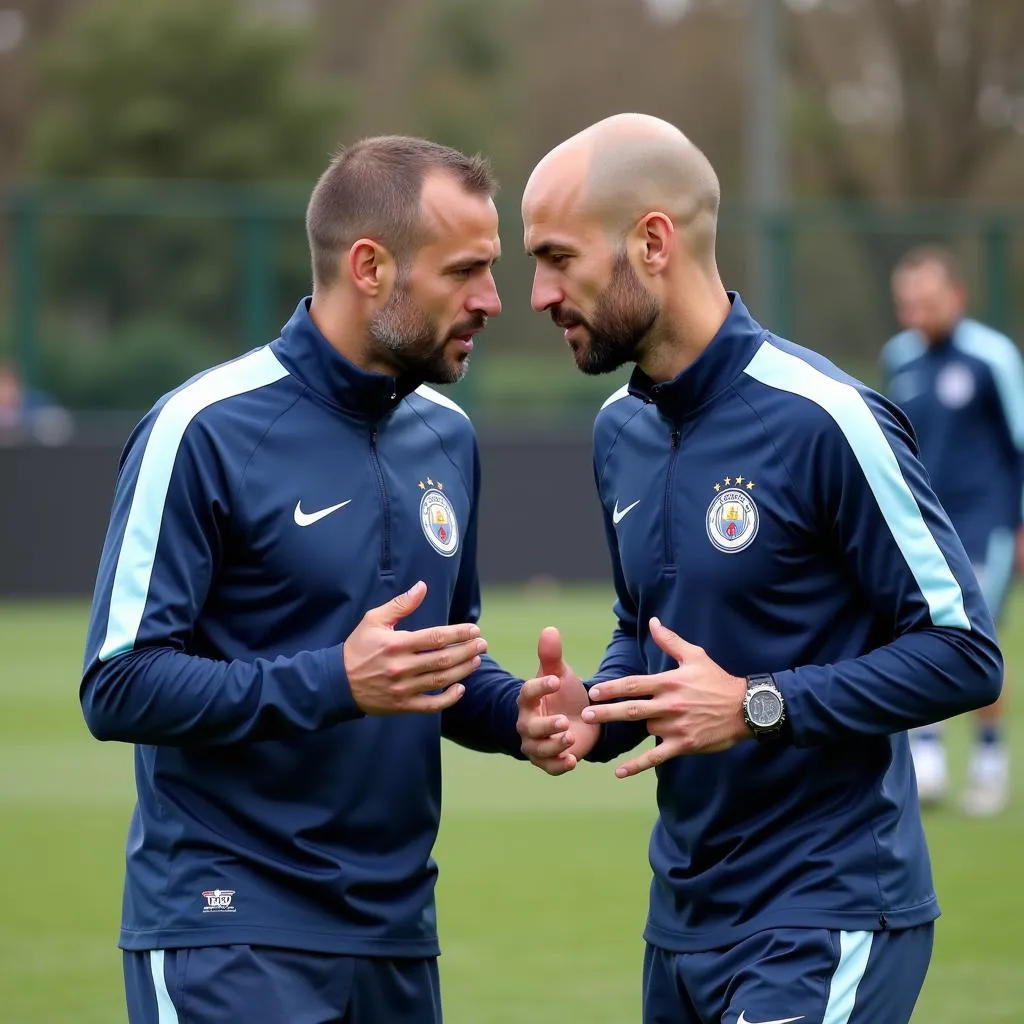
344,329
691,319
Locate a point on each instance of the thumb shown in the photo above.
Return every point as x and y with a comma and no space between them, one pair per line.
673,643
549,651
399,607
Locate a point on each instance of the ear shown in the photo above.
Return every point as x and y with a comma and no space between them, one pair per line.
657,238
371,267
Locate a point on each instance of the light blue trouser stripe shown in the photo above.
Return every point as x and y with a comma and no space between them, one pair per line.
877,460
995,575
130,590
854,950
165,1011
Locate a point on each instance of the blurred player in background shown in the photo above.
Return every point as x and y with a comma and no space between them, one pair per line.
962,386
284,622
791,599
29,415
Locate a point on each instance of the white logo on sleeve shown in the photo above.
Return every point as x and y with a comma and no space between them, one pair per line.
743,1019
618,514
218,901
309,518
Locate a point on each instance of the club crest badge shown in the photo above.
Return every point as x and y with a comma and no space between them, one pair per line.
732,517
955,385
437,517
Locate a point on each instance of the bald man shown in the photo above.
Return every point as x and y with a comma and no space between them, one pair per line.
791,599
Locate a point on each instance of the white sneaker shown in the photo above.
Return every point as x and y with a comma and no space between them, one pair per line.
930,767
988,781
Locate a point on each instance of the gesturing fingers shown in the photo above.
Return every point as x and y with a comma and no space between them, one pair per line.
651,758
435,702
446,658
627,686
533,691
624,711
556,765
549,747
436,638
536,727
673,644
425,672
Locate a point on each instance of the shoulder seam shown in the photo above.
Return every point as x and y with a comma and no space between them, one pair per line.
615,440
303,388
458,469
808,511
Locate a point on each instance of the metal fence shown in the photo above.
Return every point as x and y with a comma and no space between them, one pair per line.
111,292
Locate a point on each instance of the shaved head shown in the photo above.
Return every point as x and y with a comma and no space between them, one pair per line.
621,222
622,168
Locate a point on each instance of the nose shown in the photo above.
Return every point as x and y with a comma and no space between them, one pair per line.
545,293
486,300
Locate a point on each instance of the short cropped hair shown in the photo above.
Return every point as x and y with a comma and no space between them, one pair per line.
372,190
922,255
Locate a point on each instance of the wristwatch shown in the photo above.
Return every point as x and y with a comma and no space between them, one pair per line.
764,709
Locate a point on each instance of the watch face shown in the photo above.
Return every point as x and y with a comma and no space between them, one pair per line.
764,708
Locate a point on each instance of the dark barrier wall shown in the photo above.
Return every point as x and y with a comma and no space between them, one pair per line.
539,512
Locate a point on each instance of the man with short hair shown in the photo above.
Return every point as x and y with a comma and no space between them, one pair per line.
284,622
962,386
791,599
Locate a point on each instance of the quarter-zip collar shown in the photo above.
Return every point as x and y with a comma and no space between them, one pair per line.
310,357
714,370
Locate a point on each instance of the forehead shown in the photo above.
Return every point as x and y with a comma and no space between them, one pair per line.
924,278
554,213
454,218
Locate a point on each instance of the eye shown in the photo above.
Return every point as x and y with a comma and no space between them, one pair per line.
558,259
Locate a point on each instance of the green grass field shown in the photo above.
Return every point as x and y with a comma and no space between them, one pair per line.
543,881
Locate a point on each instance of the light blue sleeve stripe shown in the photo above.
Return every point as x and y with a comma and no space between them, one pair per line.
165,1011
996,574
438,399
878,463
854,950
134,570
615,396
904,348
1004,360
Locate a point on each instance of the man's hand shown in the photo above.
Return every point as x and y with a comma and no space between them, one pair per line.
391,672
1020,550
694,709
554,735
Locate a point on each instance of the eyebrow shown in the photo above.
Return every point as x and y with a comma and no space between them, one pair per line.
471,263
547,247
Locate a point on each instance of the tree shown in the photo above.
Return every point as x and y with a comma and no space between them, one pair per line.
23,28
181,89
906,100
192,90
909,98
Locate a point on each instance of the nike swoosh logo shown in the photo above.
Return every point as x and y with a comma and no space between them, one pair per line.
619,514
309,518
742,1019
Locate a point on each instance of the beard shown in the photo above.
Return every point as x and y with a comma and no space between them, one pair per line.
622,320
403,336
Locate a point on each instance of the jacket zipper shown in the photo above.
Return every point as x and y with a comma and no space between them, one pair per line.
670,478
385,507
